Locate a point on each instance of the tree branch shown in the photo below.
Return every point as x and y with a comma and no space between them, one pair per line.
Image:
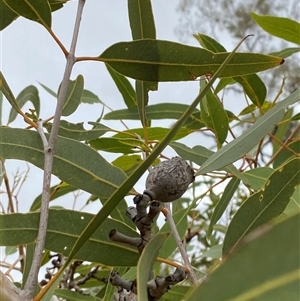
49,149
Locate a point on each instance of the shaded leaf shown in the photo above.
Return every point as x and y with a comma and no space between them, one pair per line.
74,162
254,87
89,97
247,141
67,294
223,203
73,97
38,11
257,177
213,252
76,131
215,117
7,15
223,83
29,93
155,60
285,154
272,274
176,293
146,262
60,190
264,205
159,111
124,87
283,28
64,227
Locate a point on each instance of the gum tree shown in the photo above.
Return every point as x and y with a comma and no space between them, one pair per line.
120,246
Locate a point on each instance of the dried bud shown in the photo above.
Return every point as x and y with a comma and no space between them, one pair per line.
169,180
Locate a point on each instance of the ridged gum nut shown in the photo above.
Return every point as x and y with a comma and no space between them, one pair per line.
169,180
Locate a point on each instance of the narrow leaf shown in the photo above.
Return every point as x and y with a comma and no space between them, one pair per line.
257,177
73,97
7,15
124,87
254,87
155,60
283,28
215,117
31,94
264,205
284,53
146,262
244,143
67,294
209,43
223,203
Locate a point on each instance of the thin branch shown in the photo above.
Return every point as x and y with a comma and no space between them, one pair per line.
169,217
31,282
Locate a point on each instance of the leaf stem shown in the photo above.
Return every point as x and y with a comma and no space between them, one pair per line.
49,147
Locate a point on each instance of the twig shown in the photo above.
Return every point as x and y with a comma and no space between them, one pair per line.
31,282
169,217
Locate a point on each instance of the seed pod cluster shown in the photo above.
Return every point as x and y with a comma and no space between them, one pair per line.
169,180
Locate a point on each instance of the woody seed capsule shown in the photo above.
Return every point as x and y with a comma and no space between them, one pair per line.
169,180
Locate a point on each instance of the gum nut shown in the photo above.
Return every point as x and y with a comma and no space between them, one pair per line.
169,180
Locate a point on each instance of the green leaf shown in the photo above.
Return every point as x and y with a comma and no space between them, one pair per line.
146,262
209,43
67,294
284,53
254,87
29,93
247,141
64,227
127,162
73,97
51,92
38,11
200,154
89,97
118,145
76,131
282,130
283,28
159,111
223,83
141,19
61,190
223,203
176,293
155,60
124,87
264,205
7,15
153,133
213,252
142,100
74,162
116,196
271,262
257,177
285,154
5,89
215,117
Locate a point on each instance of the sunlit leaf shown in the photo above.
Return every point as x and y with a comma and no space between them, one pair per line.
283,28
